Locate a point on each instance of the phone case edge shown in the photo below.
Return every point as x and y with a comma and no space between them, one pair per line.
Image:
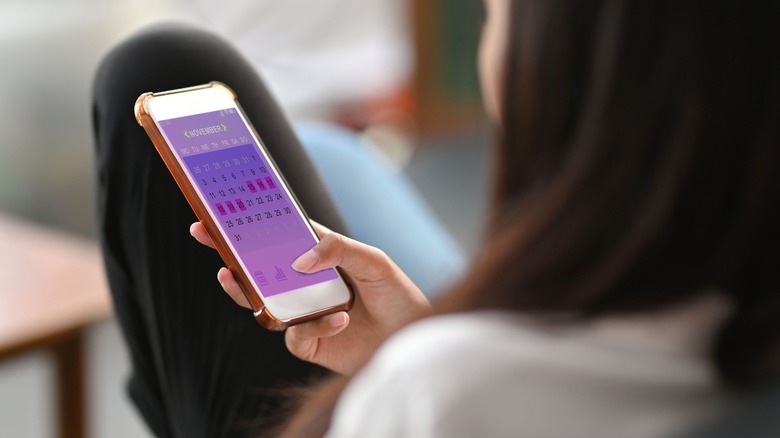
261,313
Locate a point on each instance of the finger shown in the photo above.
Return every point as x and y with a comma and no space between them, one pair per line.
320,229
198,231
232,288
303,339
328,325
361,261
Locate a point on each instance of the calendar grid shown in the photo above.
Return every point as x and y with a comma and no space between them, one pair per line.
246,198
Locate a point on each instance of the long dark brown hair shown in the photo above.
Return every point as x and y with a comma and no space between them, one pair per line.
638,166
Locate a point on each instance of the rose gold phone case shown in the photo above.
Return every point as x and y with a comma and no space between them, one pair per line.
262,315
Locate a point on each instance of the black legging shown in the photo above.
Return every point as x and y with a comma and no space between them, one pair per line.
201,365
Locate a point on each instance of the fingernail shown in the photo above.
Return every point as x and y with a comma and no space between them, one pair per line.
338,319
305,262
219,274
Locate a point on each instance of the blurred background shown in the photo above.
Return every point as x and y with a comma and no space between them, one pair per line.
419,106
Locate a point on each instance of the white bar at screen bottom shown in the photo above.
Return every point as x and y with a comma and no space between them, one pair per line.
307,300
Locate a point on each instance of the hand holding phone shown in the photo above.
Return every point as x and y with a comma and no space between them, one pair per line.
386,300
236,190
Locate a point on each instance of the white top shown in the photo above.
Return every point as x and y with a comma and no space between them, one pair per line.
317,54
497,374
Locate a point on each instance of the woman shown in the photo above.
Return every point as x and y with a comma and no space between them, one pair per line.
628,285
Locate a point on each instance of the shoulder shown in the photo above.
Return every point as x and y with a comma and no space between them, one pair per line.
463,341
496,345
464,374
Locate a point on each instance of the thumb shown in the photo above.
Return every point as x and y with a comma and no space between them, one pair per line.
362,262
303,339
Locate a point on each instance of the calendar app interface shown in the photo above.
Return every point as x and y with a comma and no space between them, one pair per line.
246,196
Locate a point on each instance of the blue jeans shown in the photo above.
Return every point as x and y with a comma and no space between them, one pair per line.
382,208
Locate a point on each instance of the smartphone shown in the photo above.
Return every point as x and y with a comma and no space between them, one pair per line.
238,193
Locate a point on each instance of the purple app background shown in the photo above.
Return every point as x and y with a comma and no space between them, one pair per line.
246,197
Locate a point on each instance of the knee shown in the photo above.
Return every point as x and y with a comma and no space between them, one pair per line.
156,58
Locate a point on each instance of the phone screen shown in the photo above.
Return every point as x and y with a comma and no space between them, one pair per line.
246,197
